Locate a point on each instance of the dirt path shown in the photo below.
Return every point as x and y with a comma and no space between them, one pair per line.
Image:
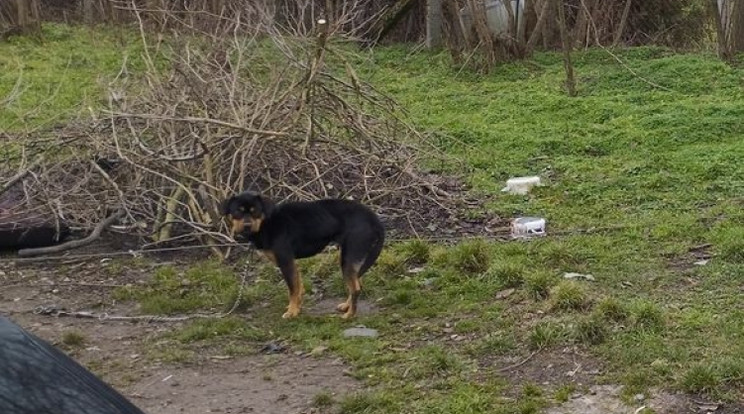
278,383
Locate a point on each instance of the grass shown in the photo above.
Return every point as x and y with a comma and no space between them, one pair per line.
171,291
73,339
47,81
652,172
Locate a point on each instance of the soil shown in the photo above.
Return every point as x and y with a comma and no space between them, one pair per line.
283,382
605,399
278,383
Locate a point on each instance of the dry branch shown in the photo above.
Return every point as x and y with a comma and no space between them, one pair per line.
73,244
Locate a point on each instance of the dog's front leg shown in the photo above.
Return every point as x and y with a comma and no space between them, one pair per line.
294,283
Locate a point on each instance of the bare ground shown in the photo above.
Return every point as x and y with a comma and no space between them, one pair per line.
285,382
279,383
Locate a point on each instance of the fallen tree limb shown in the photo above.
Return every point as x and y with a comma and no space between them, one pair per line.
73,244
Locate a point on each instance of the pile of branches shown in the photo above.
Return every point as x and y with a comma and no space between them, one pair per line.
288,117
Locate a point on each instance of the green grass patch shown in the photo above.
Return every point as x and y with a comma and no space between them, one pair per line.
43,82
207,286
570,295
204,329
73,339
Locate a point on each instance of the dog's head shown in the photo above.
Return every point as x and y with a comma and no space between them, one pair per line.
247,208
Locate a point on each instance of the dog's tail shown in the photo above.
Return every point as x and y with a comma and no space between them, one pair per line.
374,250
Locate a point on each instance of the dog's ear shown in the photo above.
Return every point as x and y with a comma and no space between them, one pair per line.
225,205
266,205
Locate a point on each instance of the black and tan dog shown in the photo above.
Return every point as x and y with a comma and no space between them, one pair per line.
296,230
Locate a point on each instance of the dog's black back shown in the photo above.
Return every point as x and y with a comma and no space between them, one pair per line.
308,227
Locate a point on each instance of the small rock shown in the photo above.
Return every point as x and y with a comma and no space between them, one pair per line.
272,348
701,262
360,332
504,293
318,350
416,270
639,398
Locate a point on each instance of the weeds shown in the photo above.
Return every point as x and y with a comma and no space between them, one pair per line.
538,284
73,339
546,334
508,275
647,316
569,295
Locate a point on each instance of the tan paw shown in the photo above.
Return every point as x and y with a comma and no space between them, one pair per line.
348,315
343,307
291,313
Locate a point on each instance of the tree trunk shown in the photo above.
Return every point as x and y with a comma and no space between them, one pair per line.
35,16
537,31
566,42
22,14
88,11
433,24
623,22
724,52
736,37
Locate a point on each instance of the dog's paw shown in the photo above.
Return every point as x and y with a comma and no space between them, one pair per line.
291,313
343,307
348,315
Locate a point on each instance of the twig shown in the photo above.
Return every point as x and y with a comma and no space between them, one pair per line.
198,120
73,243
520,363
20,176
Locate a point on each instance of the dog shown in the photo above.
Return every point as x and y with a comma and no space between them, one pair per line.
296,230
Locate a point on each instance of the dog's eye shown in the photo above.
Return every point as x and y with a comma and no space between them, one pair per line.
253,209
241,209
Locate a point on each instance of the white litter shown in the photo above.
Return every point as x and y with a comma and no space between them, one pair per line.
572,275
525,227
521,185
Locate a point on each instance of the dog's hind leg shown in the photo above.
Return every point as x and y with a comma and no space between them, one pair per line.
353,287
294,283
